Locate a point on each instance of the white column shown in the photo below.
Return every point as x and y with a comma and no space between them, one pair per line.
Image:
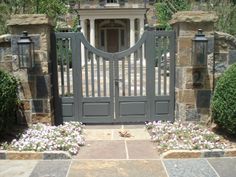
82,24
132,35
92,32
141,26
141,30
132,32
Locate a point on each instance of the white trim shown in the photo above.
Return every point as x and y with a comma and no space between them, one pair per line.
112,13
115,21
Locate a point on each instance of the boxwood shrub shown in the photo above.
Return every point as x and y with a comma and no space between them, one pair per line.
223,102
8,99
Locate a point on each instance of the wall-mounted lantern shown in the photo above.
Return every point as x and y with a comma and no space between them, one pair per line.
199,49
25,47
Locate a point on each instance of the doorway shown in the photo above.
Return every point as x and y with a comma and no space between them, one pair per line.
112,40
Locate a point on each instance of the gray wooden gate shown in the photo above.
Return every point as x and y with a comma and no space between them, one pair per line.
134,85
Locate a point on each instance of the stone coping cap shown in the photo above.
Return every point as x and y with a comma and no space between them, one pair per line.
30,19
31,155
175,154
5,38
193,17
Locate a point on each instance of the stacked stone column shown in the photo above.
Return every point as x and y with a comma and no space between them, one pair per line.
35,84
193,83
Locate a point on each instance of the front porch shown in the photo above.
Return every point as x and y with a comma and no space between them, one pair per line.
112,30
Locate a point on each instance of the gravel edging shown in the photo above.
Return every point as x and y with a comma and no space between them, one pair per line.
32,155
175,154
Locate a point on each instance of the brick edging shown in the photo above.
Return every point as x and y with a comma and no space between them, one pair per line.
173,154
32,155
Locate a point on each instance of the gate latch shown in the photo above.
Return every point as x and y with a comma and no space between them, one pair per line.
117,81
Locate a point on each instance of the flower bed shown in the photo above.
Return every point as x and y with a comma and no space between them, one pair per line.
184,136
41,137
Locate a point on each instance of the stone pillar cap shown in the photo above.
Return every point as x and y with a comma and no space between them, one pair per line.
30,19
5,38
193,17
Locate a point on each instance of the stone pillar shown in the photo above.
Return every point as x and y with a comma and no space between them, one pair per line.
132,32
35,84
92,32
193,84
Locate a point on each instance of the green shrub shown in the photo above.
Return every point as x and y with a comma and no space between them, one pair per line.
8,99
224,101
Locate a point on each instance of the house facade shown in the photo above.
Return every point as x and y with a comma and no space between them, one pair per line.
115,25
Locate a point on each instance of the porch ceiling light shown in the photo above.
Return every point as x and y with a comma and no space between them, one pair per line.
199,48
25,47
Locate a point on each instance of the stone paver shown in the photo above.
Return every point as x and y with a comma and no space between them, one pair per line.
225,167
141,149
134,126
113,134
121,168
18,168
103,150
51,168
98,134
189,168
219,167
136,134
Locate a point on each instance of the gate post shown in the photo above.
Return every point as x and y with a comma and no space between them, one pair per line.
193,82
35,84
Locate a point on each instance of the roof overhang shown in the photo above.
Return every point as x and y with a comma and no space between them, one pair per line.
112,13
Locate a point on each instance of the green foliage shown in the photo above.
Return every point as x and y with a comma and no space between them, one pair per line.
223,102
8,99
53,8
166,8
4,15
227,15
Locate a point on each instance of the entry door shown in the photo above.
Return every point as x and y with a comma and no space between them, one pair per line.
112,40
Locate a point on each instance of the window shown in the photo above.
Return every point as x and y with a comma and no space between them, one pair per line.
102,38
112,1
122,38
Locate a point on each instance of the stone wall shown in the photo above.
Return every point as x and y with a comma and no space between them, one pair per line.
35,91
193,82
224,54
5,52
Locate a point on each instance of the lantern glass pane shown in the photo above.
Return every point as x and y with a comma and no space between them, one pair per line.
24,54
200,53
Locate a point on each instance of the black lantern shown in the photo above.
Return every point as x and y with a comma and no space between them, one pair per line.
199,53
25,51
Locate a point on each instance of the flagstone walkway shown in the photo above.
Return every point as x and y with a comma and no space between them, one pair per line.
107,154
105,142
